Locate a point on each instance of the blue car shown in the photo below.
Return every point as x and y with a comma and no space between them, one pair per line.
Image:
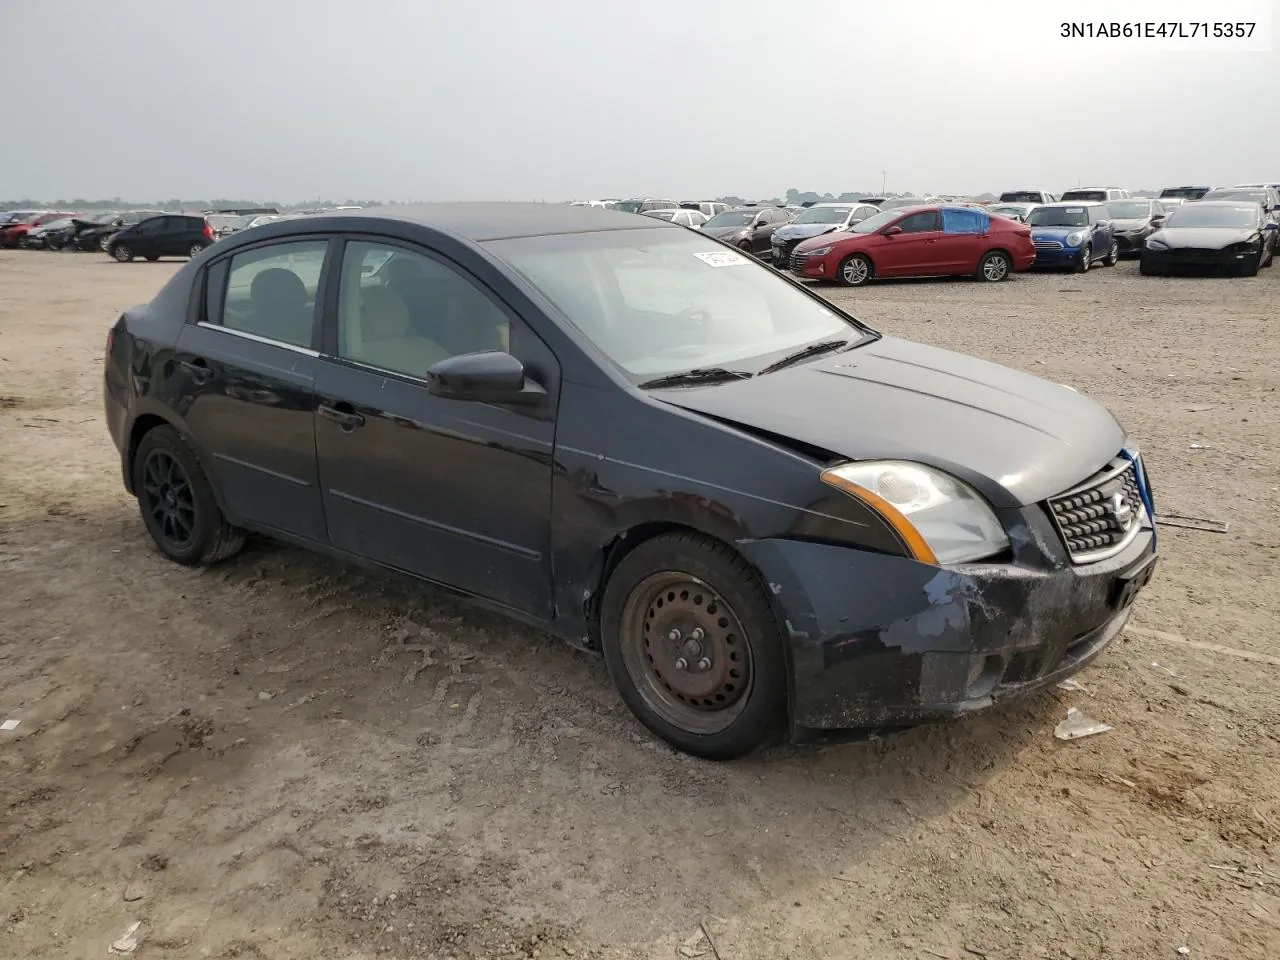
1075,235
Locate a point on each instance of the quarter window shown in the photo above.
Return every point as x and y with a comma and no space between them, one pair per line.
271,291
405,312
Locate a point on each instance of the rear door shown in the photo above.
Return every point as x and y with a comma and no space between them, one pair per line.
458,492
249,362
911,253
963,239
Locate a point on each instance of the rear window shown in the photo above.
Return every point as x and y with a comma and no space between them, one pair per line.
1091,195
1021,196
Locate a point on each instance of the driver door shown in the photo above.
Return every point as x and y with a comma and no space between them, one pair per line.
454,491
910,253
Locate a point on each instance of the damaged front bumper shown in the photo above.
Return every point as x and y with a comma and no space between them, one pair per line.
880,641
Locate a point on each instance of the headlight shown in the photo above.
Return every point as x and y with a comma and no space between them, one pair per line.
820,252
938,518
1245,246
1154,244
1073,239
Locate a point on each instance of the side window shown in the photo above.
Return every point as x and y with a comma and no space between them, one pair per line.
965,221
149,227
271,291
923,222
409,311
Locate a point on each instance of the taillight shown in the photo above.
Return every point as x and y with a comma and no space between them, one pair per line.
208,232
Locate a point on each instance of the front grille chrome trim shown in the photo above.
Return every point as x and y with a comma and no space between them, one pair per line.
1091,514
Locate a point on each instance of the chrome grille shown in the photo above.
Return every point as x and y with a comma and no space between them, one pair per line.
1101,516
1048,244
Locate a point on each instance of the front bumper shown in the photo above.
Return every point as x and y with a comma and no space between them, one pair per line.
1197,259
1058,256
879,641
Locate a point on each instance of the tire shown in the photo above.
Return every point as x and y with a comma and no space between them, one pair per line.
1271,258
994,267
684,599
1113,257
104,243
177,502
745,250
1086,258
855,271
196,250
121,252
153,258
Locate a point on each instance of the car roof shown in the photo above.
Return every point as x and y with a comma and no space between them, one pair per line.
1076,203
496,220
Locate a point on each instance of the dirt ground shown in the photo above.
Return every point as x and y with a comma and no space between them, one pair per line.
238,759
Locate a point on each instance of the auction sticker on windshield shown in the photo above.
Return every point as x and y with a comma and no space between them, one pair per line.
1074,209
722,258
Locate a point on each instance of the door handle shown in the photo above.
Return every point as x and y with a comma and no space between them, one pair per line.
197,369
343,414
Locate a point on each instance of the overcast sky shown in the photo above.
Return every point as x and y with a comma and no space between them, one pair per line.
558,99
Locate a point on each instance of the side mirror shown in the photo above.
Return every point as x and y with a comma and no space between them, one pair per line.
490,377
892,231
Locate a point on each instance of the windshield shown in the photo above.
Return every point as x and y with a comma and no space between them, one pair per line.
1259,196
660,214
1129,209
659,302
824,215
901,202
628,206
1095,195
1021,196
879,221
1242,216
1059,217
733,218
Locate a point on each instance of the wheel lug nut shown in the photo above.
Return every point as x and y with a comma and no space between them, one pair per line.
704,664
697,633
682,664
674,636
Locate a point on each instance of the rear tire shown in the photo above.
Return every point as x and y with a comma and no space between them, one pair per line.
196,250
855,271
994,267
694,647
121,252
177,503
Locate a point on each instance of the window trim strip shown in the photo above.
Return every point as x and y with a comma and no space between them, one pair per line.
246,335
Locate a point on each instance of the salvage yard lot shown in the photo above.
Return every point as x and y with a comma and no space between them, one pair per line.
242,759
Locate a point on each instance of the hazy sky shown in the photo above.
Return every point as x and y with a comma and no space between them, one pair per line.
559,99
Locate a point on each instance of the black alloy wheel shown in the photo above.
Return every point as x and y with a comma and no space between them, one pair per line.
694,647
121,252
177,504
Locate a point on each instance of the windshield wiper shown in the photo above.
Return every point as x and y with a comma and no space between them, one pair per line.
812,350
699,375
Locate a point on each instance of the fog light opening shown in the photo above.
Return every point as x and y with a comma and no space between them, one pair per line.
984,674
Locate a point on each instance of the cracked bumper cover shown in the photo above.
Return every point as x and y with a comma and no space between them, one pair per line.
879,641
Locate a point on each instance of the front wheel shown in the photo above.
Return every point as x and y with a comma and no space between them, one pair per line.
104,244
122,252
1086,259
1113,257
177,503
995,266
854,270
694,647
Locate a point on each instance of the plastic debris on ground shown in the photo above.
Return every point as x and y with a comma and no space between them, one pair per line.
9,725
1072,686
1078,725
129,942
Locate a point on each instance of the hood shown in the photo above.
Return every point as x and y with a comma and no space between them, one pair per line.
1131,223
721,233
1016,438
1056,233
1204,238
823,239
802,231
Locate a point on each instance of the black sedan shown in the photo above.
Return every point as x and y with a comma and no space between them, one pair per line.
750,229
638,439
1212,235
1133,221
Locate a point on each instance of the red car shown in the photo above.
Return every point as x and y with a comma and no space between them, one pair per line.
919,241
11,234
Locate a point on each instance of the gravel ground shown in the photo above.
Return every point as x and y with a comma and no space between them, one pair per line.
239,759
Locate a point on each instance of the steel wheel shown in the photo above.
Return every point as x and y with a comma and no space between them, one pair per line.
167,497
686,652
855,271
995,267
